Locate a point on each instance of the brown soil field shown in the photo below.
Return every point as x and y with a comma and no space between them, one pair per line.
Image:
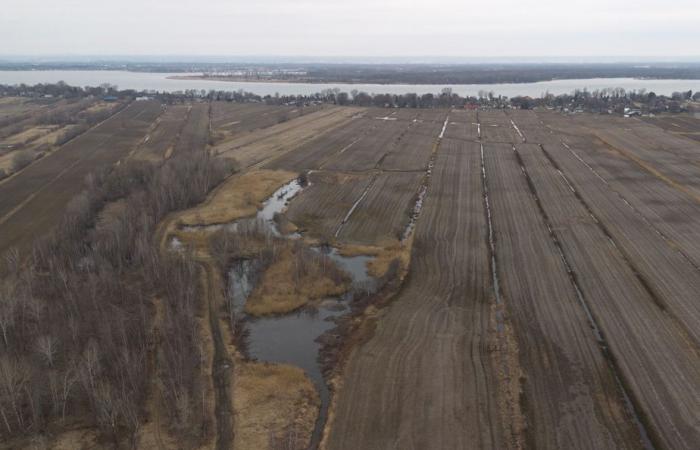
681,125
411,152
663,253
315,153
194,135
570,396
673,158
496,127
320,209
232,119
32,202
427,378
462,127
624,308
370,149
665,207
163,134
383,214
266,144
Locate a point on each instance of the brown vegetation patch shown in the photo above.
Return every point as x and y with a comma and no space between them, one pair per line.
384,255
238,197
273,404
296,277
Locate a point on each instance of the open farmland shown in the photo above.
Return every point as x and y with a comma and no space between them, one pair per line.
384,212
680,125
163,134
672,158
426,378
555,354
524,279
194,134
370,149
268,143
324,205
235,118
315,153
624,306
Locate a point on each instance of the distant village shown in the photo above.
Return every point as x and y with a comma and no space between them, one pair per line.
606,101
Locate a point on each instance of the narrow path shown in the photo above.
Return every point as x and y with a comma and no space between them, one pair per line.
222,366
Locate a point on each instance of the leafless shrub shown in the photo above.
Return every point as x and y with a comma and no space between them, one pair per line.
21,159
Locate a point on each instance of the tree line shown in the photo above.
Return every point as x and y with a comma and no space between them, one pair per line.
602,100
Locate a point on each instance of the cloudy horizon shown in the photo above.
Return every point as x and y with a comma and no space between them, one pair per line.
543,29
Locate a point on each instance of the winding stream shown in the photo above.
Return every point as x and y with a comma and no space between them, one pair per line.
293,338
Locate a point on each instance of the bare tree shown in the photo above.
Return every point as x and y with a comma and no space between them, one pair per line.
13,378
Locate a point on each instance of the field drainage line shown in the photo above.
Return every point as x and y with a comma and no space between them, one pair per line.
491,237
355,205
422,193
518,130
342,150
444,127
503,335
631,404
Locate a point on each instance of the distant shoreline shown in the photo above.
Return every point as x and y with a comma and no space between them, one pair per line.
385,83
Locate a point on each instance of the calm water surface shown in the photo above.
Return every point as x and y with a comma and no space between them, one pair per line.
161,82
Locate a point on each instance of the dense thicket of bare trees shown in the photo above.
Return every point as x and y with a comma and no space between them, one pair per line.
76,316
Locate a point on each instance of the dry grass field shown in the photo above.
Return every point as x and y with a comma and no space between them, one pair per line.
546,296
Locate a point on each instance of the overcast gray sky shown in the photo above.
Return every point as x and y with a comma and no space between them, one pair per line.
351,27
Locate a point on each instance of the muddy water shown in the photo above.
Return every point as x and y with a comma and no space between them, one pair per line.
293,338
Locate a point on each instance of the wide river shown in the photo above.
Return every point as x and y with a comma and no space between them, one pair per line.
160,82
